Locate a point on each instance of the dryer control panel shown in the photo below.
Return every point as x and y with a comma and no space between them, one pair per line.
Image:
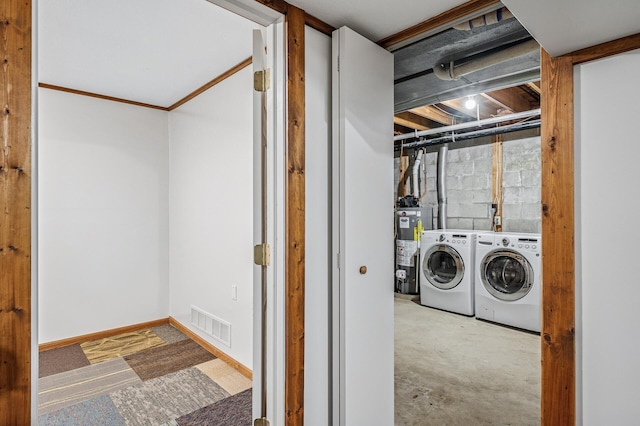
522,243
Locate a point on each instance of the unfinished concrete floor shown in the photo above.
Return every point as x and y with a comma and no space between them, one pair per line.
455,370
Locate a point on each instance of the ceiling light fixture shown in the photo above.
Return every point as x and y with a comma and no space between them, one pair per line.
470,103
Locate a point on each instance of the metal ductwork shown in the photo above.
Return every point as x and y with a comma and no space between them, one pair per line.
442,186
451,71
490,18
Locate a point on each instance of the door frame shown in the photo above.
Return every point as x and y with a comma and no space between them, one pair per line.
558,402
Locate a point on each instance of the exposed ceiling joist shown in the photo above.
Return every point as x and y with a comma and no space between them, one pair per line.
399,129
414,121
535,86
434,114
485,110
510,99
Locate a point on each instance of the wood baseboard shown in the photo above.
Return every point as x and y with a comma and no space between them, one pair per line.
247,372
100,334
141,326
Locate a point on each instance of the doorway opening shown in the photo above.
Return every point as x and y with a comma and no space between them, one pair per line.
133,173
468,216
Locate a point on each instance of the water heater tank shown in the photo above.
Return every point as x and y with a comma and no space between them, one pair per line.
410,222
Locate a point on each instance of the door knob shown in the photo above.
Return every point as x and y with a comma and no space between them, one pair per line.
363,270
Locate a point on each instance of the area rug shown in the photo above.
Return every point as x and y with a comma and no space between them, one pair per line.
167,359
225,375
232,411
99,411
165,398
68,388
121,345
59,360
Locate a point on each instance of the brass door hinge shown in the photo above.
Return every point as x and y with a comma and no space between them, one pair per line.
261,422
262,254
262,80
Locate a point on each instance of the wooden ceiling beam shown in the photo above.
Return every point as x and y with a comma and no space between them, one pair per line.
403,120
535,86
414,121
399,129
511,98
458,105
433,113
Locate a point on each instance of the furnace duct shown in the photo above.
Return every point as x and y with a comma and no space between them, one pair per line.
416,169
451,71
490,18
442,186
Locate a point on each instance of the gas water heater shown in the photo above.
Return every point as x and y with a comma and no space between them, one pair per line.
411,220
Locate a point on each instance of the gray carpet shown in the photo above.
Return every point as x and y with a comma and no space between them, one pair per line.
98,411
68,388
165,398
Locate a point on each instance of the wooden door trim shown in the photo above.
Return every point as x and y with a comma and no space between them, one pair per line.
558,401
295,218
15,202
557,404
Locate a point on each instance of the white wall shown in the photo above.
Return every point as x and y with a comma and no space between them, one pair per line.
607,235
318,231
212,209
103,215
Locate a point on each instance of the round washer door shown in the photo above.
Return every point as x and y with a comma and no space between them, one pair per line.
506,274
443,267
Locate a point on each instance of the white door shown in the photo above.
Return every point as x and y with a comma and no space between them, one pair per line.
363,231
269,174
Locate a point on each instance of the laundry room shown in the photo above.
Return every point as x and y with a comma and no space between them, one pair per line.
467,177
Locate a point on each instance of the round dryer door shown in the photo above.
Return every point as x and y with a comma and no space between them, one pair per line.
506,274
443,267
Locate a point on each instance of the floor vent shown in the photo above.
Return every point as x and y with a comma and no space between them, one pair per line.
212,325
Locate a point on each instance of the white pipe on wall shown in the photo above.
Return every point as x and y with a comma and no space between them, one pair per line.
416,168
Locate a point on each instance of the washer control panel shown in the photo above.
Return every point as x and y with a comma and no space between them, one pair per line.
454,239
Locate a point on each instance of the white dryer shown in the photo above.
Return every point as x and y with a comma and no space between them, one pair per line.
508,279
446,270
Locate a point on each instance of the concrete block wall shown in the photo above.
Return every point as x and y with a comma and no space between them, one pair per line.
521,211
469,182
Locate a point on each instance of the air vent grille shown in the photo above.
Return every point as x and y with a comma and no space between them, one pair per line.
215,327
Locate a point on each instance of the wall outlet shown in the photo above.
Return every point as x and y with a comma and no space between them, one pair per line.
234,292
497,220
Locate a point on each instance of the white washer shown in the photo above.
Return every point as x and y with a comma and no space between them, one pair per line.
446,270
508,279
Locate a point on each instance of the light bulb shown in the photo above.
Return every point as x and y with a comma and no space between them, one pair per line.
470,103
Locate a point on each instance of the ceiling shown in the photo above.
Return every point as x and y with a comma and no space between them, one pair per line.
375,19
158,51
563,26
150,51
